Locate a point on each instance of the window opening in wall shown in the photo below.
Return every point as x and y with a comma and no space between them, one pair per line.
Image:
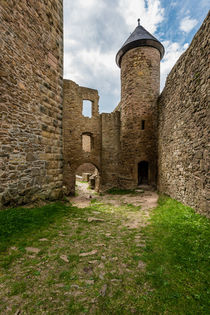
87,108
143,172
142,124
87,142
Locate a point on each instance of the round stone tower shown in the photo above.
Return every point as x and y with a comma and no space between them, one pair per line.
139,60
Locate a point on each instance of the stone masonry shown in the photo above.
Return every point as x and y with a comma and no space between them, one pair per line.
75,126
31,69
183,133
103,131
140,83
44,137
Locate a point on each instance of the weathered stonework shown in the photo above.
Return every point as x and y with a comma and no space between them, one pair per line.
31,100
38,159
183,133
75,125
104,132
85,168
140,82
110,150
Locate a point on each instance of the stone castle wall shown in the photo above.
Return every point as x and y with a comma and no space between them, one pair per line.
140,83
184,127
110,151
75,126
104,131
31,64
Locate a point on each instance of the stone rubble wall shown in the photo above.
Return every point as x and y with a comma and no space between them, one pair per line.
75,124
110,151
183,136
104,130
31,69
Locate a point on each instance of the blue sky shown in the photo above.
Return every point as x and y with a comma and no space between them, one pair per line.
94,31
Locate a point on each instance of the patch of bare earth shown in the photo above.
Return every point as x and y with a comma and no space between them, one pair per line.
146,200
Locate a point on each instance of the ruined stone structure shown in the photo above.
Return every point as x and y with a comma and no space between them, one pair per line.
76,126
102,131
44,136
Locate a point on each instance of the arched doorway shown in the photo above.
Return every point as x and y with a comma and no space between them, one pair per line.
143,170
86,178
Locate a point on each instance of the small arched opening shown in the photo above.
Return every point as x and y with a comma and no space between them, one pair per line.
87,179
143,172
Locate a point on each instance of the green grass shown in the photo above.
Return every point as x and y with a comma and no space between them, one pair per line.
117,191
18,222
173,281
177,257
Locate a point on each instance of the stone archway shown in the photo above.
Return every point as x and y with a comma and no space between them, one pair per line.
89,173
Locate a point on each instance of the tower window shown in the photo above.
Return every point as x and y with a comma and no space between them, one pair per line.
87,108
142,124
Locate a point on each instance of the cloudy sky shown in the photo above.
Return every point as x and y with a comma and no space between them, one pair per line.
94,31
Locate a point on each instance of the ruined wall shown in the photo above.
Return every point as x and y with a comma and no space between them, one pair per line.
31,63
75,125
140,81
184,127
110,152
85,168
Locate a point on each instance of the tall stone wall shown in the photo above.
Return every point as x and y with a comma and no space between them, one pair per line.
31,66
110,150
75,125
184,127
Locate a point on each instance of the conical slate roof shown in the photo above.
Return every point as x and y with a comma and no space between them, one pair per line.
140,37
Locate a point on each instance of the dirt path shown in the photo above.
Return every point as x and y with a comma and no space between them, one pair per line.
145,199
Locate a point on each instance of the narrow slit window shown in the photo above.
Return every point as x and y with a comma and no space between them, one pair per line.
87,108
142,124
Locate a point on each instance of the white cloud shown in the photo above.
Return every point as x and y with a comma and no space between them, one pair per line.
94,30
187,24
173,52
150,12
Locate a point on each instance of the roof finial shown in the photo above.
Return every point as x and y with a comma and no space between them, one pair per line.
138,22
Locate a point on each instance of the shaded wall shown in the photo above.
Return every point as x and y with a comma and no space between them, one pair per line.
31,67
184,127
110,150
85,168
